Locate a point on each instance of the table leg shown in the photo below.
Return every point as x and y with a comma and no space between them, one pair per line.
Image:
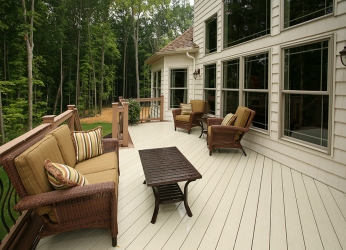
157,203
145,182
202,129
187,208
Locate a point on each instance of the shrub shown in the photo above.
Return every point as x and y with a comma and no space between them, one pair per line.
134,112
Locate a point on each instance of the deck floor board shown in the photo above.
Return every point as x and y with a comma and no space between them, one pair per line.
241,202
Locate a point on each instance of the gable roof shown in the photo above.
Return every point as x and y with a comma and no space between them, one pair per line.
185,40
182,44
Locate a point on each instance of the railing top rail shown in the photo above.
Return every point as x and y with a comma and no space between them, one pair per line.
49,122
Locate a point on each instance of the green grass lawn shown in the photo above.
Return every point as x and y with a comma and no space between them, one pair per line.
106,127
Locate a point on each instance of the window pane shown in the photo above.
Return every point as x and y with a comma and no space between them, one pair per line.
258,102
178,78
210,76
230,102
306,118
298,11
178,96
256,72
211,35
159,79
210,98
245,20
306,67
231,74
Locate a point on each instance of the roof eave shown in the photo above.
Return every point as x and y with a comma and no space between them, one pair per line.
158,55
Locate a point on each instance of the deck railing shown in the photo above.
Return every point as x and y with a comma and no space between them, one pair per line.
22,228
120,122
151,110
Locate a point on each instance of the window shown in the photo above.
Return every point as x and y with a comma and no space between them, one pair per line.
256,88
157,84
178,91
211,35
306,93
297,11
248,86
245,20
230,86
210,87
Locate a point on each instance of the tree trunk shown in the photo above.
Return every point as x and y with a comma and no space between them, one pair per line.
78,55
29,39
61,78
2,129
135,25
101,80
124,64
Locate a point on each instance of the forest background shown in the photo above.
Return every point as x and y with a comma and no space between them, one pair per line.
83,52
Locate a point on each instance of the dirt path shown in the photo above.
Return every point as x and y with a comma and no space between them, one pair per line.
105,117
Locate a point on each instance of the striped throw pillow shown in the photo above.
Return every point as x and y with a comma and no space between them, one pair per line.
186,109
229,119
62,176
87,144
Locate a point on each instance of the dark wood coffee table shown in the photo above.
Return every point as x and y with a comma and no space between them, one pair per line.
163,169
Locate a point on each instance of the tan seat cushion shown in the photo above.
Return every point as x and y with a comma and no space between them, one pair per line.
63,137
30,166
104,176
183,118
197,105
100,163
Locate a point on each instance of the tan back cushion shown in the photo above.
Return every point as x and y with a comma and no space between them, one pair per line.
243,114
63,137
30,166
197,105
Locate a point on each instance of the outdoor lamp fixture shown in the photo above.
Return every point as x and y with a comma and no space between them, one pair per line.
197,72
342,56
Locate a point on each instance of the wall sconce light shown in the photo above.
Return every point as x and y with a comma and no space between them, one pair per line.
343,56
198,72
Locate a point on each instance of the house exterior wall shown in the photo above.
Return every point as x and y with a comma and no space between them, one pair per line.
175,61
328,167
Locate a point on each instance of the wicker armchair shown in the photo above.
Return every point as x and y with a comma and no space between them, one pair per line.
229,136
187,121
88,206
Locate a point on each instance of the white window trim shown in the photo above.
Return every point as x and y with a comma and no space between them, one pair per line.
242,90
331,57
169,84
282,16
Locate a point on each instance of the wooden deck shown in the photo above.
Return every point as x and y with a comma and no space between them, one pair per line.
242,202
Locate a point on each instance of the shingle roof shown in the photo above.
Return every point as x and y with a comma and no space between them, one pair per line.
183,41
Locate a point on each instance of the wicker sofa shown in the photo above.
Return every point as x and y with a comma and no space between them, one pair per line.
87,206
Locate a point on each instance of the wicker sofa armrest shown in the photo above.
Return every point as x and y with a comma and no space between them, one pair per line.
214,121
33,201
110,145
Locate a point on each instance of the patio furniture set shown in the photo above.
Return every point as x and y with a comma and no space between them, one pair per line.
70,178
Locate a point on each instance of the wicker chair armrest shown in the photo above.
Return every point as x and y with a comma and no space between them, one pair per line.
228,129
214,121
110,145
33,201
176,112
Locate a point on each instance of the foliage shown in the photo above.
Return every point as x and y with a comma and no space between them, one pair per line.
134,112
84,54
